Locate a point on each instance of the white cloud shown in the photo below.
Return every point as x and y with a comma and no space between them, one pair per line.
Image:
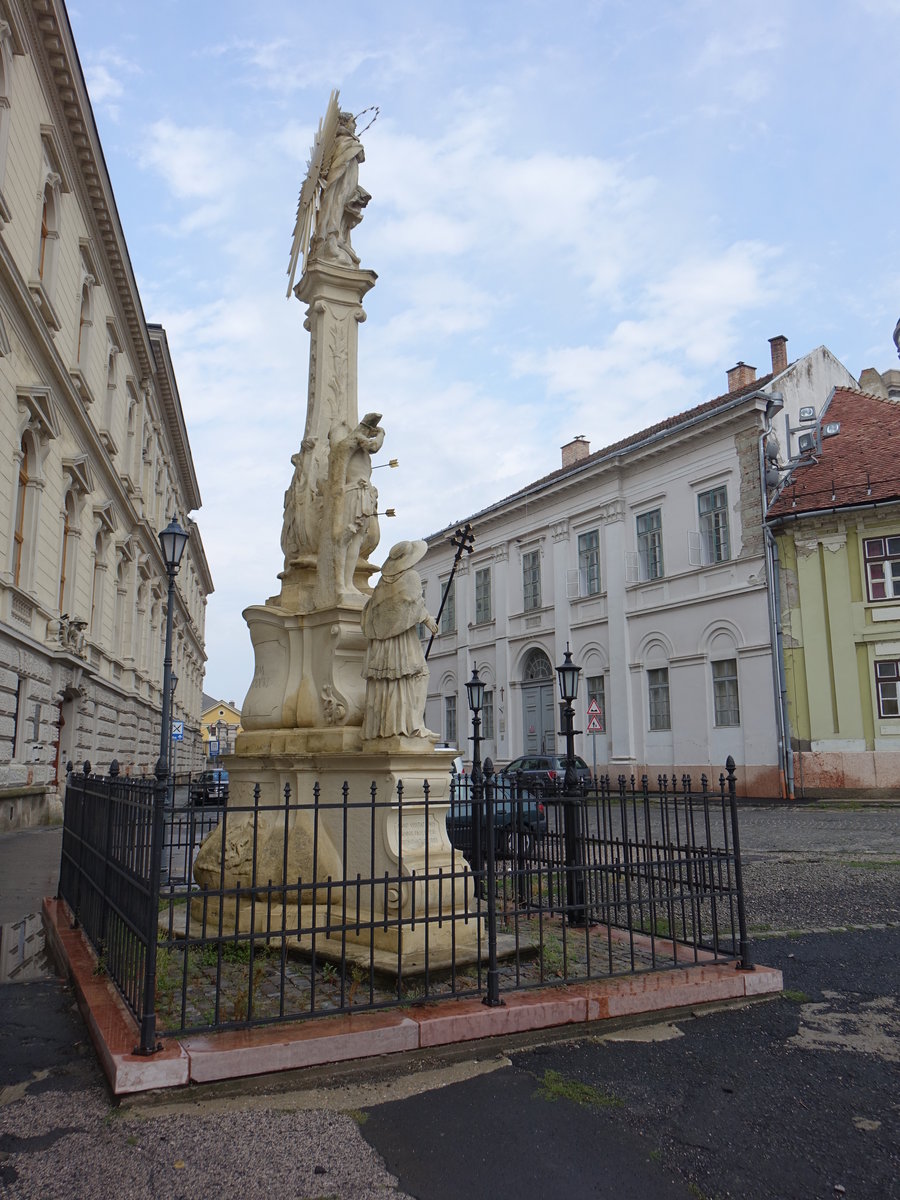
102,84
197,163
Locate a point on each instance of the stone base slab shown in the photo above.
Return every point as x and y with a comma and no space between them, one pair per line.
314,1041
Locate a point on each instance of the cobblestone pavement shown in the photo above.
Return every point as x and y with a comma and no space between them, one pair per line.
820,866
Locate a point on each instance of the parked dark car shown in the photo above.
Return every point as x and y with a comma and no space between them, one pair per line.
546,772
519,819
210,787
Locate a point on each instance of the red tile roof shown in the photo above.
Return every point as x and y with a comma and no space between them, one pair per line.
859,465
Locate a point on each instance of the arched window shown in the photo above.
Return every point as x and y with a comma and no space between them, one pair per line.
85,321
49,234
537,666
66,563
21,504
96,621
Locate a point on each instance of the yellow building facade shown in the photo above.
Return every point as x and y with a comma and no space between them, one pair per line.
836,526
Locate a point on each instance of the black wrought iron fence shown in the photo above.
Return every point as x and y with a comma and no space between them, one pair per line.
308,906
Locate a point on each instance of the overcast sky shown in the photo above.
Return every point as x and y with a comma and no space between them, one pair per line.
582,214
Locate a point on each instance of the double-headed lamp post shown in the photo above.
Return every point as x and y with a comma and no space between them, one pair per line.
568,674
475,692
172,540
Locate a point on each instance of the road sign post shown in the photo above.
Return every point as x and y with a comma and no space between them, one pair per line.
594,726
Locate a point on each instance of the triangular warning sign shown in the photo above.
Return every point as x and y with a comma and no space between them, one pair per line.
593,709
595,725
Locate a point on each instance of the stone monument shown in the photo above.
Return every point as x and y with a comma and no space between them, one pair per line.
338,692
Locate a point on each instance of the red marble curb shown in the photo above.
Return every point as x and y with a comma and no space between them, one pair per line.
203,1058
113,1030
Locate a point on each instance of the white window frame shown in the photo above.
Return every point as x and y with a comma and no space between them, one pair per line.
726,693
595,686
715,534
448,616
483,596
450,719
887,688
882,560
531,587
659,701
650,544
487,716
589,563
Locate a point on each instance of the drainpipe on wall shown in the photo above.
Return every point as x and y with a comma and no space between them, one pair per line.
773,597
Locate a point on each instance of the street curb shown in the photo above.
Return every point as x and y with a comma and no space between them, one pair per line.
238,1054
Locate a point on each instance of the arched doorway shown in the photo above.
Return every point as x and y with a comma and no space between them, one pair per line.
538,704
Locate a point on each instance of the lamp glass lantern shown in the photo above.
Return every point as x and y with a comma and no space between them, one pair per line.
173,540
475,690
568,674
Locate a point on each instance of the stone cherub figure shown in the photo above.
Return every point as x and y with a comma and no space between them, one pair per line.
395,670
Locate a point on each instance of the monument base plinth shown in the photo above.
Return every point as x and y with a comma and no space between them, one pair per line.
359,836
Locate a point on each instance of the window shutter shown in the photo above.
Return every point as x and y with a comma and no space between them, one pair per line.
632,567
572,592
695,549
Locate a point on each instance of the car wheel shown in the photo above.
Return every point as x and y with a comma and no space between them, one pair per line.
513,844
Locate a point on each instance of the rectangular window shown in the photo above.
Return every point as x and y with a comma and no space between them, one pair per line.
589,563
483,595
531,580
422,630
450,720
487,716
448,616
658,690
596,690
887,680
649,539
713,507
725,692
882,557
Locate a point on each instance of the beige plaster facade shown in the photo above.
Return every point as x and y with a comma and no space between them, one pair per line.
95,456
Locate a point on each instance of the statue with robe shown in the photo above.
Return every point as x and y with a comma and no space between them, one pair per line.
394,667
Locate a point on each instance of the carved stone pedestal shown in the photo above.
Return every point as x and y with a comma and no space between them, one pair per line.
308,669
428,919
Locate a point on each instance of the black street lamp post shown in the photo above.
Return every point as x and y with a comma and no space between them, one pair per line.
568,674
172,540
172,743
484,805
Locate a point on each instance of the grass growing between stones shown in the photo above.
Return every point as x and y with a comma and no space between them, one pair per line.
554,1086
795,997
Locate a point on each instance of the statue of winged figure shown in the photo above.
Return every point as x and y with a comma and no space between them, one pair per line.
331,201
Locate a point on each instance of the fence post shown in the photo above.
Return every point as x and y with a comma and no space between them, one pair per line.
148,1043
492,999
745,963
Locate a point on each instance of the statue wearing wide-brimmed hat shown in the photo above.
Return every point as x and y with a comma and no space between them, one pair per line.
394,668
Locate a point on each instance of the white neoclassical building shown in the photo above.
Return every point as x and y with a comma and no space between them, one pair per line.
94,453
648,559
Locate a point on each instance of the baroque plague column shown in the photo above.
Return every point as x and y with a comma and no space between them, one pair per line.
305,716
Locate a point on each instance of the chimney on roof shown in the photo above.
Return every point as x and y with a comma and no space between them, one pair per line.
740,376
779,353
885,384
575,451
